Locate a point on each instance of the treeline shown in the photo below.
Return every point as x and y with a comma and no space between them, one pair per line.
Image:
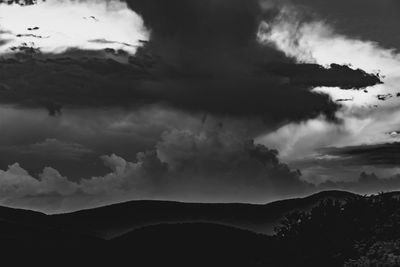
361,231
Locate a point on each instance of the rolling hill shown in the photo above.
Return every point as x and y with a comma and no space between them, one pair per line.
153,233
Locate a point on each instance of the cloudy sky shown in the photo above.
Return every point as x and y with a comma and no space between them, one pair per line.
103,101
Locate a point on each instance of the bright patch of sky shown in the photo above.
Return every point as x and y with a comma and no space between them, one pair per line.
367,115
55,26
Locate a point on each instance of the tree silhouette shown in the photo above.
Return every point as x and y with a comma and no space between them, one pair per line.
361,229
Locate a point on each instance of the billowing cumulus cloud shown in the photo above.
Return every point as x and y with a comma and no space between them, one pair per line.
15,182
102,132
202,161
213,165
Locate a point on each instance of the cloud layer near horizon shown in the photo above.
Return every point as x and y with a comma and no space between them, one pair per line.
210,166
213,165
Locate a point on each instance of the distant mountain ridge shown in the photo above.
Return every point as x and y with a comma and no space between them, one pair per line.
111,221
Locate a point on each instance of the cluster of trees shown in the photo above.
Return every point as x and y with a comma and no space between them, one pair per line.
361,231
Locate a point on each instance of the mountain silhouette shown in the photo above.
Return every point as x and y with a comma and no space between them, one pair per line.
111,221
154,233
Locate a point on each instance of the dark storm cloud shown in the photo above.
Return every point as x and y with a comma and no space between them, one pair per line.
314,75
191,33
202,56
254,90
377,154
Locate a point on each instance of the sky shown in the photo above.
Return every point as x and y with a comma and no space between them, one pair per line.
196,100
